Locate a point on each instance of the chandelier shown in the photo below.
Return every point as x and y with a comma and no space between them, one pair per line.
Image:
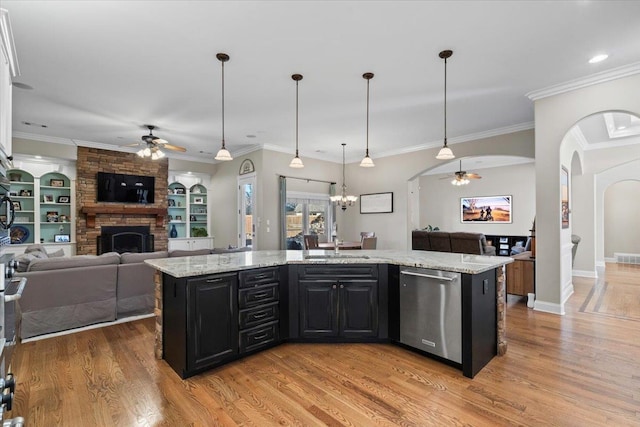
344,200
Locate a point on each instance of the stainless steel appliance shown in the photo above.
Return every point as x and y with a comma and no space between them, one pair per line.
431,311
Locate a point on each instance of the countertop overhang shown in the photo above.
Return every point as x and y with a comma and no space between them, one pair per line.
235,261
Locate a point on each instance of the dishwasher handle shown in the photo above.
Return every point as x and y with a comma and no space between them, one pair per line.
428,276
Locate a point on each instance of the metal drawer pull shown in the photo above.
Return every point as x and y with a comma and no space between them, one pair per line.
261,295
429,276
260,276
213,280
261,336
261,315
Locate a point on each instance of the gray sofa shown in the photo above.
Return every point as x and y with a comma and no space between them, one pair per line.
64,293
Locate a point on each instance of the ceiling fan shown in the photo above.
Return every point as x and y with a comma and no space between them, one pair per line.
462,177
152,145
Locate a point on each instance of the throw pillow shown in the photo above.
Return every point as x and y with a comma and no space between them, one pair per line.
35,248
56,254
23,261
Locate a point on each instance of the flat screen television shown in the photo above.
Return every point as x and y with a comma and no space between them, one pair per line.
116,187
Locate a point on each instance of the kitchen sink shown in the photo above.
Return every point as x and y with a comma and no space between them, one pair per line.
336,256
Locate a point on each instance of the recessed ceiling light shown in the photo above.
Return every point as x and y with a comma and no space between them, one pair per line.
598,58
621,127
38,157
33,124
251,136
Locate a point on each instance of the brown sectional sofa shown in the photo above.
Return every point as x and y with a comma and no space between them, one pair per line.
64,293
459,242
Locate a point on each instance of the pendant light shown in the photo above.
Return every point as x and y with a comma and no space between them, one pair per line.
367,162
296,162
343,200
445,152
223,154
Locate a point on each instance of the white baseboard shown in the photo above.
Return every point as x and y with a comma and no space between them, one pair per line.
549,307
601,264
608,259
585,273
566,294
86,328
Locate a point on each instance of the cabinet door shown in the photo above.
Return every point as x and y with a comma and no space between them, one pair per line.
213,324
203,243
318,308
358,308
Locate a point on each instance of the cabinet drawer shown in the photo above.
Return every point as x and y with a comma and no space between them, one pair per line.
257,277
250,297
339,271
251,339
259,315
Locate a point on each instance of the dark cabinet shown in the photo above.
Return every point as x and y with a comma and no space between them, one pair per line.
259,308
342,306
200,328
212,321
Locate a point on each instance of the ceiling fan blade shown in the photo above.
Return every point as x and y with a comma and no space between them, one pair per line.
174,147
133,144
473,176
160,141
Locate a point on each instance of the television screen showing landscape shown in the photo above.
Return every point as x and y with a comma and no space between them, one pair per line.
486,209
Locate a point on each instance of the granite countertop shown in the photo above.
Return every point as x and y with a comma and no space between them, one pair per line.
212,264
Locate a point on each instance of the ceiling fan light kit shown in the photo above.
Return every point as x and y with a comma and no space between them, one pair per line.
461,177
445,152
367,162
223,154
296,162
153,144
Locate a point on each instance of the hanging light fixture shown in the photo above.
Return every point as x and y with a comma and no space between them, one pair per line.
296,162
343,200
367,162
223,153
445,152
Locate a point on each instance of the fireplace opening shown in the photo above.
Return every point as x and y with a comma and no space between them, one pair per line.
123,239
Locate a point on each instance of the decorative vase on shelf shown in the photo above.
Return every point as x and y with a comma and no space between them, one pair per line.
173,233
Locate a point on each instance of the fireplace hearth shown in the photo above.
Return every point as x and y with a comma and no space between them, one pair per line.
123,239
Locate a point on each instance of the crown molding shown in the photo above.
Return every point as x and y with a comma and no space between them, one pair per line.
43,138
593,79
460,139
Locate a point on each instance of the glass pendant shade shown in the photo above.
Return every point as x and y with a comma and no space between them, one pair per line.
296,163
223,155
445,153
367,162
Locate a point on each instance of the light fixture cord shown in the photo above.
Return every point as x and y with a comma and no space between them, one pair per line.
367,152
297,118
445,102
223,147
344,185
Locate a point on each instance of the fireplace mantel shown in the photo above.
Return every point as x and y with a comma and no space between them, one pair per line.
92,211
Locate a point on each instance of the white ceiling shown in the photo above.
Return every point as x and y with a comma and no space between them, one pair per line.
100,70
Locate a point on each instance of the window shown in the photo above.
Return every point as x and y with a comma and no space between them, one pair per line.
307,213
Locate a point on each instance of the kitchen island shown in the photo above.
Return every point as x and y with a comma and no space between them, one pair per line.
214,309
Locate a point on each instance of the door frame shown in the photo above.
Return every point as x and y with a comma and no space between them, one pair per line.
243,180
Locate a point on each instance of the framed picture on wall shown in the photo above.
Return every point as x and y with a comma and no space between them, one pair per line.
564,188
485,209
376,203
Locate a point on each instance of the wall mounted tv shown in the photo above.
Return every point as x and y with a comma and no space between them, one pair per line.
116,187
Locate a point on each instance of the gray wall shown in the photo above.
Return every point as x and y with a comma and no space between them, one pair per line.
621,215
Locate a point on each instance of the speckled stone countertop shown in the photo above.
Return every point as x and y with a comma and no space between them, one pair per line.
212,264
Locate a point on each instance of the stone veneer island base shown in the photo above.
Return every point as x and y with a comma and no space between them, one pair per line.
254,300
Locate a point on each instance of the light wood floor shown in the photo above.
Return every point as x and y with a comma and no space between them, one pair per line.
581,369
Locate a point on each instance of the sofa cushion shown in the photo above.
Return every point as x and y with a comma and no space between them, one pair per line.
420,240
440,241
180,252
56,254
73,262
468,243
133,258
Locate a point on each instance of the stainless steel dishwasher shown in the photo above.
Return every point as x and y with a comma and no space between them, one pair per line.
431,311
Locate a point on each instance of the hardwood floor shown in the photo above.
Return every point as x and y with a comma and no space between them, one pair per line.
581,369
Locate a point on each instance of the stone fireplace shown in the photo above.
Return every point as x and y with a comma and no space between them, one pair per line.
123,239
92,216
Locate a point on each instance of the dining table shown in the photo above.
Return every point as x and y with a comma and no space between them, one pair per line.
341,245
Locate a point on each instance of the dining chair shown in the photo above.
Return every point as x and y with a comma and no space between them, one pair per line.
369,242
310,241
364,234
